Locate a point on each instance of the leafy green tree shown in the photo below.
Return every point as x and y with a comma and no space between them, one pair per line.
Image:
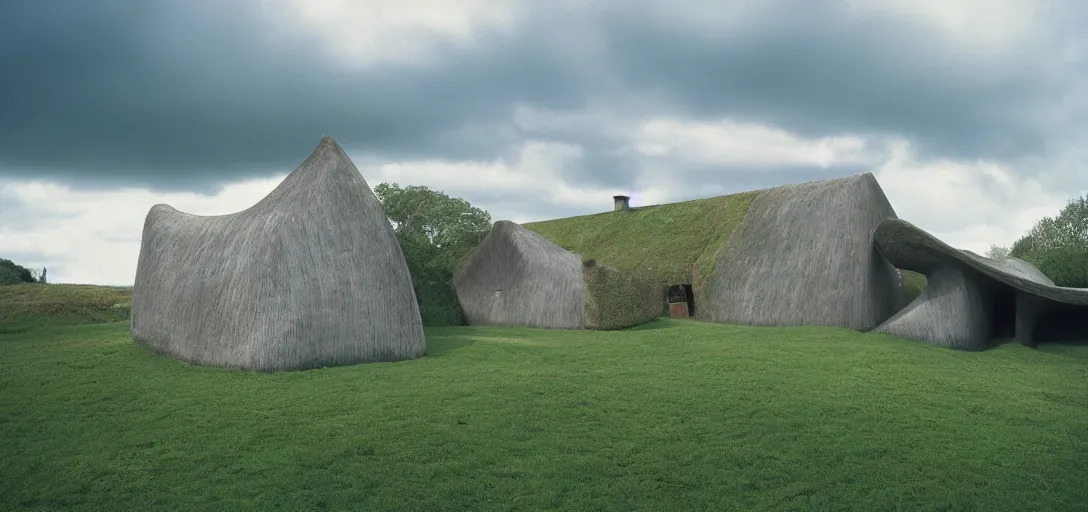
11,273
1058,246
436,233
38,275
997,252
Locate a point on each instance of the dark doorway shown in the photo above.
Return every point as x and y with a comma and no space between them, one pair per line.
1062,323
1004,312
681,300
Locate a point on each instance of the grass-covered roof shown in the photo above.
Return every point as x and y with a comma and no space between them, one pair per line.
662,242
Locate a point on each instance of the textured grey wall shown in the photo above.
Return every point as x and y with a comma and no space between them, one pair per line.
954,310
517,277
803,255
312,275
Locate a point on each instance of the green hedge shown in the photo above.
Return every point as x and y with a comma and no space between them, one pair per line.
617,299
438,304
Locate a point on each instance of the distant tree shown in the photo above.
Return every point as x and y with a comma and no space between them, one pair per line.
1058,246
436,232
11,273
38,275
997,252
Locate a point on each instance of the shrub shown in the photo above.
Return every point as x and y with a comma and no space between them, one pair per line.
11,273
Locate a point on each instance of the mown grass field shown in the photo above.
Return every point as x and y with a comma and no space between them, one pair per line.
674,415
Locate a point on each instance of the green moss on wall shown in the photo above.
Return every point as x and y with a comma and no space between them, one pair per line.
617,299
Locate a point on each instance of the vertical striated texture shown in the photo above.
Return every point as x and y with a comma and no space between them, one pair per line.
312,275
955,311
1039,304
517,277
803,255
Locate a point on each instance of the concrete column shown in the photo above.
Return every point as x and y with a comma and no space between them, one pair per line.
1028,309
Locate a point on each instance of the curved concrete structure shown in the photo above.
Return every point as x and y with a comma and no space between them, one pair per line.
971,299
312,275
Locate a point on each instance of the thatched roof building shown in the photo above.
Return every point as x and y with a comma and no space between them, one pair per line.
312,275
971,299
517,277
792,255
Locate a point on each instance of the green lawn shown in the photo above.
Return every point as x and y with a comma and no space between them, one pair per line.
675,415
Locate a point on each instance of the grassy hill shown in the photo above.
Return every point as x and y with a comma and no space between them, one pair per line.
24,306
673,415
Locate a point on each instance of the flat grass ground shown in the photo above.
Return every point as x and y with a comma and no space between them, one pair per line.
675,415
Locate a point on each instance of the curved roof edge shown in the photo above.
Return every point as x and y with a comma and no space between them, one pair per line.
909,247
327,159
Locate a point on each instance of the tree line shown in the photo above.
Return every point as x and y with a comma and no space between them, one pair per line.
1057,246
13,273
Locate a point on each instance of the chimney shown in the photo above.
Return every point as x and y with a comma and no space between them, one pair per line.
622,203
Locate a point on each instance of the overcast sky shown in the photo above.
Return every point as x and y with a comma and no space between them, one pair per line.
971,113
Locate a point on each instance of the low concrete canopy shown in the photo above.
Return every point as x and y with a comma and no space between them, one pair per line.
971,299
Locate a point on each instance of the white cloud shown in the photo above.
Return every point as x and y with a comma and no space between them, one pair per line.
533,176
996,26
746,144
94,236
969,205
362,34
366,33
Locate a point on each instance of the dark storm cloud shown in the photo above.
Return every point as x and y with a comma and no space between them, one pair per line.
194,94
176,93
815,72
